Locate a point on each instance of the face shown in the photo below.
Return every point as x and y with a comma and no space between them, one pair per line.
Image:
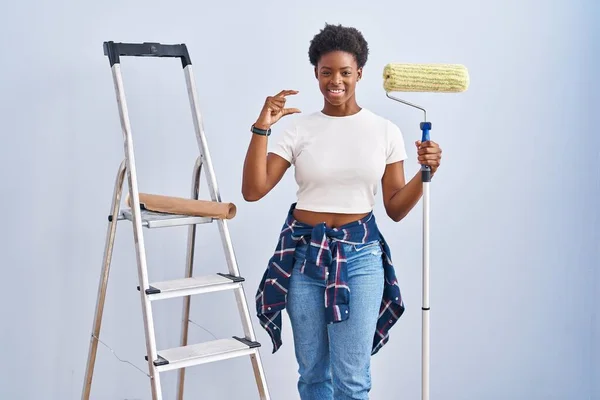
337,73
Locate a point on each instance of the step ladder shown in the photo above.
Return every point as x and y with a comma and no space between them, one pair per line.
186,355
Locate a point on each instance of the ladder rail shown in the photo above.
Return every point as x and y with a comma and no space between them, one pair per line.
216,196
230,256
103,283
138,235
189,271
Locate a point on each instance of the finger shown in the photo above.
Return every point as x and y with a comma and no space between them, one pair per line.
429,157
279,102
287,111
275,99
430,150
273,108
284,93
428,145
431,163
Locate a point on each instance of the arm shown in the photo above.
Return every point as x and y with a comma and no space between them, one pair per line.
263,171
399,198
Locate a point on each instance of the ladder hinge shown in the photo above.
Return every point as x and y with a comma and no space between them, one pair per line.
247,342
151,290
159,361
232,277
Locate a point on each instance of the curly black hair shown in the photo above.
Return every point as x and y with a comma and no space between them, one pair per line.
338,37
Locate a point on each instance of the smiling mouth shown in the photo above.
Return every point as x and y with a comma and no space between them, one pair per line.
336,91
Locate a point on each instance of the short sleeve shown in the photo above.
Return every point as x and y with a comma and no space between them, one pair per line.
284,144
396,149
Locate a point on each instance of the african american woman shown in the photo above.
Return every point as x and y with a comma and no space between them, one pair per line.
332,268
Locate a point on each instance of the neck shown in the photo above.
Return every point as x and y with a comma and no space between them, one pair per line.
350,107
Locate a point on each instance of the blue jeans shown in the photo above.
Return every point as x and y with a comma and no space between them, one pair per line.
334,360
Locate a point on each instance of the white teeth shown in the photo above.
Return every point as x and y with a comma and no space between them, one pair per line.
336,91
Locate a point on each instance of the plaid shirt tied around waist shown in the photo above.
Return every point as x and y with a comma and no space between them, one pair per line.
325,259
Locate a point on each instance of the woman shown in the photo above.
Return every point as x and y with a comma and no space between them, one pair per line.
332,268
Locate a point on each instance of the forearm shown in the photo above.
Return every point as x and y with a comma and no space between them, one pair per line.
261,171
254,179
404,200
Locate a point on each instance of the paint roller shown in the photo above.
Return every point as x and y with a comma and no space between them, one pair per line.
430,78
440,78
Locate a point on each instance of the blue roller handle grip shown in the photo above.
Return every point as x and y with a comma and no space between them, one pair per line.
425,127
425,170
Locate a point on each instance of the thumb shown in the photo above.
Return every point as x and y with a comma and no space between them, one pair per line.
287,111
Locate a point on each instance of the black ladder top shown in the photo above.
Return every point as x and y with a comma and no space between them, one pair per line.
147,49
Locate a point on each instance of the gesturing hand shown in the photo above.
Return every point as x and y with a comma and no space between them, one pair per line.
274,109
429,153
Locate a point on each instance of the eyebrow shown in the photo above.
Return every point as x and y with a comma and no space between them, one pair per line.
346,67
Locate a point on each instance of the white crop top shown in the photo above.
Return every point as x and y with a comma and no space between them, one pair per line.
339,161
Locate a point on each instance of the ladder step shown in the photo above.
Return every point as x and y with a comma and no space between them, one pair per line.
152,219
194,285
202,353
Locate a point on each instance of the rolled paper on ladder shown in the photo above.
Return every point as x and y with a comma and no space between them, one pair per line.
184,206
441,78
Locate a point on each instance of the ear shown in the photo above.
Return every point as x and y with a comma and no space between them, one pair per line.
359,73
316,73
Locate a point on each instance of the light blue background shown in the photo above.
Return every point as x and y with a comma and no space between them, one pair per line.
514,213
